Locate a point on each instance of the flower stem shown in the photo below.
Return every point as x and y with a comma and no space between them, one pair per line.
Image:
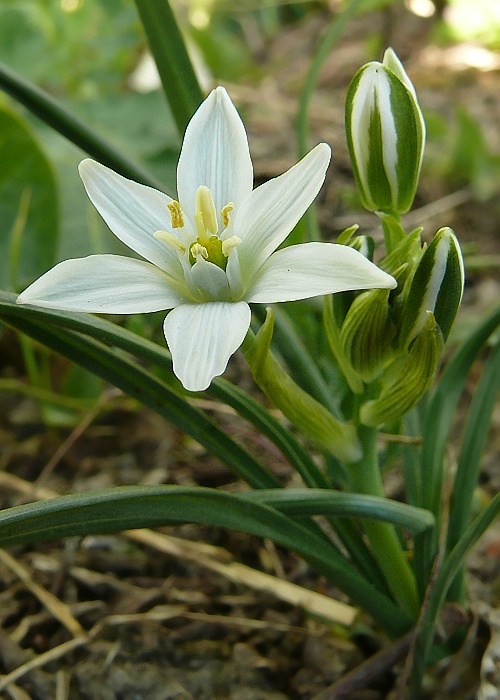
383,539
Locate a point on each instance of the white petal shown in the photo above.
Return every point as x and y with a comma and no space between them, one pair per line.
132,211
272,210
312,269
211,280
215,153
202,338
103,284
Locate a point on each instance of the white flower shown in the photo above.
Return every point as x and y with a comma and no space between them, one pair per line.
210,253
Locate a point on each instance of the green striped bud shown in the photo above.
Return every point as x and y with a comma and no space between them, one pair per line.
437,286
407,379
363,244
385,135
367,333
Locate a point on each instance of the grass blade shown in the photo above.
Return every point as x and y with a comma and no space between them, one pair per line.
448,572
177,74
46,108
438,420
137,382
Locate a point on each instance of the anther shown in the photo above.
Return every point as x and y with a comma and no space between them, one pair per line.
176,214
225,211
229,244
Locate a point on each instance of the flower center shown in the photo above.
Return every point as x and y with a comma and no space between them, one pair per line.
208,244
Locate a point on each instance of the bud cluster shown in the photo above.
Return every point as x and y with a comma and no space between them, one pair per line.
393,339
389,341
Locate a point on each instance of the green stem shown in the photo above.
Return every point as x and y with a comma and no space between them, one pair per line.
384,541
176,71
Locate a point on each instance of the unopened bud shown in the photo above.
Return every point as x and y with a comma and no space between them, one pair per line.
437,286
406,381
363,244
367,333
385,135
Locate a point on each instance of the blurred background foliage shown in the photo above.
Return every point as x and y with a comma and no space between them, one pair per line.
91,55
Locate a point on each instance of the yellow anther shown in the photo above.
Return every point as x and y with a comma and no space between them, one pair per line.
171,240
176,214
229,244
206,207
225,213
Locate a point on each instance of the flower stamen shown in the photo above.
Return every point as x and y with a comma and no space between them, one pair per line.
225,211
171,240
198,249
229,244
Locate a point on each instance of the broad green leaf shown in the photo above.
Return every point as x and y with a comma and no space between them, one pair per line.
110,510
24,37
29,209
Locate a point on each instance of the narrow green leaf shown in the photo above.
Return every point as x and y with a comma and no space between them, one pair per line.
46,108
438,420
137,382
332,36
467,474
220,389
437,596
110,510
442,406
167,45
325,502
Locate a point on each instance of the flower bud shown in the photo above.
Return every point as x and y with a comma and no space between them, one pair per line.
385,134
363,244
367,333
407,379
437,286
